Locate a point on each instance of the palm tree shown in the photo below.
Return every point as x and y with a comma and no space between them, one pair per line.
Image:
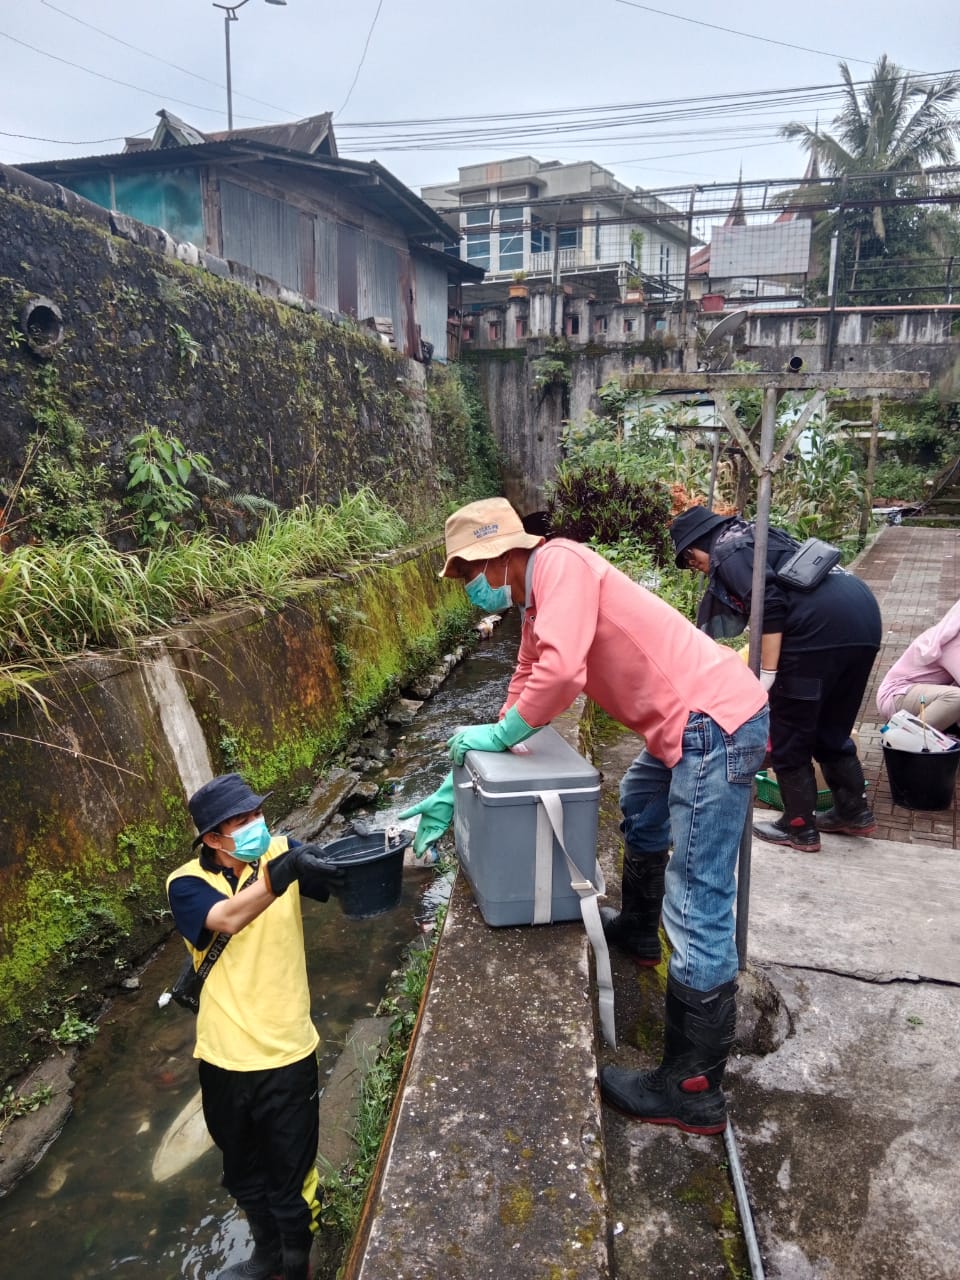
883,140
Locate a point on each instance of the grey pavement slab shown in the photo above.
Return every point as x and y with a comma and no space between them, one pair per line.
493,1166
875,908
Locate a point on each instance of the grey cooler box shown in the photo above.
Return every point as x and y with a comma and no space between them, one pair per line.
497,816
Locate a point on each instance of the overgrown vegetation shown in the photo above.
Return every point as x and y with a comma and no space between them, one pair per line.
61,599
463,441
628,470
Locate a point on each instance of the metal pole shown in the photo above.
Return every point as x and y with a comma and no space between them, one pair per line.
867,508
743,1203
768,429
227,19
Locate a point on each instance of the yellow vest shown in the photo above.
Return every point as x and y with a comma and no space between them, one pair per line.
255,1007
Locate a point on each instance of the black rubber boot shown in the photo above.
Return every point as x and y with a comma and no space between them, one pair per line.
265,1262
635,928
797,826
685,1089
296,1257
850,815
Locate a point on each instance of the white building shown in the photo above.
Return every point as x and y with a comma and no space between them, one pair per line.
569,222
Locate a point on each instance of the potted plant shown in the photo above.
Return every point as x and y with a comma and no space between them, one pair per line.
634,289
518,289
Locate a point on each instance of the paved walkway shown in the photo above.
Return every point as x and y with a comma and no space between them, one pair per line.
915,575
845,1097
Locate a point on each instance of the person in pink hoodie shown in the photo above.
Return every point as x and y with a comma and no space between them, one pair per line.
927,675
588,628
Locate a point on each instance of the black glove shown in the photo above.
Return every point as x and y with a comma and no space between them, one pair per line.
305,864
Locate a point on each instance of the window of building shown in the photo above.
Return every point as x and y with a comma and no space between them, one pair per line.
511,240
664,259
493,330
521,327
600,324
568,237
540,238
629,326
573,326
474,197
478,250
467,332
477,218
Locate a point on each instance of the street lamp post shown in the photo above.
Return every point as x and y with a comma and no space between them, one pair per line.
230,15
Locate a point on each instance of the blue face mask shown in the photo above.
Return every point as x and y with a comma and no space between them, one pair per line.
251,841
489,599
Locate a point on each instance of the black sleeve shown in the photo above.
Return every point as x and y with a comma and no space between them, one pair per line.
736,574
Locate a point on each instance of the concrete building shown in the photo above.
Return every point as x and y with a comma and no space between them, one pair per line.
564,223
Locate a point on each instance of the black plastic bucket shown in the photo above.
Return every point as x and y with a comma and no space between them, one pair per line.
922,779
374,872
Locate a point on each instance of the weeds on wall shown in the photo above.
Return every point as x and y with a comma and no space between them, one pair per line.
61,599
463,441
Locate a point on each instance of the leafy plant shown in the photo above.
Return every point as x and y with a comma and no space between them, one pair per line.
600,502
552,369
160,466
13,1105
73,1030
188,348
15,336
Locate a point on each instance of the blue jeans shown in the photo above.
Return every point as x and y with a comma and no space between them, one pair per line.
700,806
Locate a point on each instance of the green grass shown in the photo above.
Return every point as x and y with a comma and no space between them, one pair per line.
64,599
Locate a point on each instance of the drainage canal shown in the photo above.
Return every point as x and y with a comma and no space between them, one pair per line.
93,1205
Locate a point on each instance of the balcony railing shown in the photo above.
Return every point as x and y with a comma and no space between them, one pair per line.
568,259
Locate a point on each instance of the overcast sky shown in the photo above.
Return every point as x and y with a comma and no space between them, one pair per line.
391,60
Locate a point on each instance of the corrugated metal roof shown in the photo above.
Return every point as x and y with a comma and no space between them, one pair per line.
371,183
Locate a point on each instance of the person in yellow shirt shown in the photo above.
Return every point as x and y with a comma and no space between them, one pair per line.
256,1042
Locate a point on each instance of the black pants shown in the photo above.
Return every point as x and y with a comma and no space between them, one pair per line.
266,1124
815,702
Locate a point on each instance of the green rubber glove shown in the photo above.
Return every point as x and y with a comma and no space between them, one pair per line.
503,735
436,815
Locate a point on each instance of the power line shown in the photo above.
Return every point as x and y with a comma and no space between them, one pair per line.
83,142
156,58
363,55
125,84
747,35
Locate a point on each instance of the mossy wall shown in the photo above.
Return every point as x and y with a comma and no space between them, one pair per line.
285,404
92,803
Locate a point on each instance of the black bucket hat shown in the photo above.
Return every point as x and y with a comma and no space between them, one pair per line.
221,798
690,526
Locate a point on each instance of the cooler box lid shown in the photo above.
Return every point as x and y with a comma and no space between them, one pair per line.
544,762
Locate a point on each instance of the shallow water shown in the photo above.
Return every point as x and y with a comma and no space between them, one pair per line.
92,1206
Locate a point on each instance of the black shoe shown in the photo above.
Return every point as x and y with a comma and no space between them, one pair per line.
861,824
797,834
684,1091
638,938
635,928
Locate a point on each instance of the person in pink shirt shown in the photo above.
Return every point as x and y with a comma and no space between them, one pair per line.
588,628
929,670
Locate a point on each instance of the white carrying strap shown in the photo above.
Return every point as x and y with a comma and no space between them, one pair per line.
550,825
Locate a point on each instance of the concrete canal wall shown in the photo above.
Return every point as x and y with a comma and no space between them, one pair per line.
93,782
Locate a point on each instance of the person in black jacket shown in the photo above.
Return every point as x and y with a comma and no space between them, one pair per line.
817,650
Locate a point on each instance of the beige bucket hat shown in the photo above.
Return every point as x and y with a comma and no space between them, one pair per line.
484,530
